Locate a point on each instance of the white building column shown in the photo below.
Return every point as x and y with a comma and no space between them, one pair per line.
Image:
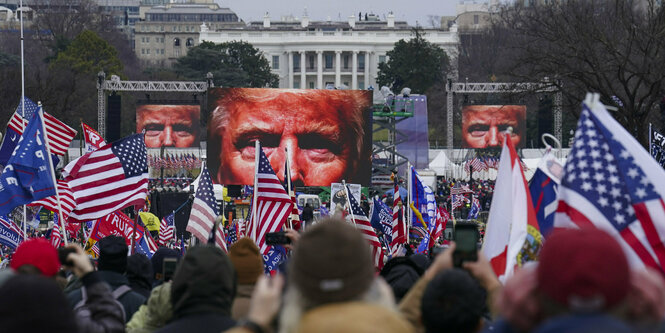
367,69
319,69
338,65
354,71
289,55
303,71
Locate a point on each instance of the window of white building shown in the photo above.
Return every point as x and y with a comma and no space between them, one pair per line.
275,62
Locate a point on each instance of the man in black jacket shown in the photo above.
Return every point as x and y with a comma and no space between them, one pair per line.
202,293
112,265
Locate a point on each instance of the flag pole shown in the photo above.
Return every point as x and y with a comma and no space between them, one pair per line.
52,172
408,196
257,148
287,173
650,134
348,201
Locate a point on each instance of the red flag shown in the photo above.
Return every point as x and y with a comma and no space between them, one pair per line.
93,140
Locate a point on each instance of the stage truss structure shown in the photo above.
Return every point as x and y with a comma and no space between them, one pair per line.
546,86
115,84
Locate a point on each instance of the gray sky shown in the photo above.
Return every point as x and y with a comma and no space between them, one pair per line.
404,10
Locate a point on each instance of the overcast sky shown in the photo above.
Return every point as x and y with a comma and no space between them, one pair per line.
404,10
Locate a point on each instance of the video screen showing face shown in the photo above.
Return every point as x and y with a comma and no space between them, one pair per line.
169,125
327,134
483,125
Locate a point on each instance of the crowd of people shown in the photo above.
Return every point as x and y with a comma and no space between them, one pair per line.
582,283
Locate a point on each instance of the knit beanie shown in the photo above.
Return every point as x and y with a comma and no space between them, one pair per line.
159,256
584,270
112,254
37,252
331,263
247,260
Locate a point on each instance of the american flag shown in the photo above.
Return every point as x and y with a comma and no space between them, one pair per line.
204,212
56,237
67,202
59,134
460,189
273,204
458,200
233,233
167,229
108,179
365,227
611,182
442,218
398,232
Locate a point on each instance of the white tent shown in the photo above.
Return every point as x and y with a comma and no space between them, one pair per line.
440,164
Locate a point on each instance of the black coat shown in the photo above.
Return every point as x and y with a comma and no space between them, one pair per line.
131,301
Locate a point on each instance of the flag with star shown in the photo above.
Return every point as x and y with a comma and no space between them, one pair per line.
610,182
363,224
108,179
204,212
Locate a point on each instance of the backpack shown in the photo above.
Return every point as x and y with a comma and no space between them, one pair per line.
82,310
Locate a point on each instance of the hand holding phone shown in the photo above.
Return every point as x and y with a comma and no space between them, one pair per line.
466,238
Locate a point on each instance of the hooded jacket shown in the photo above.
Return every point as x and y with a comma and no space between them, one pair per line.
202,292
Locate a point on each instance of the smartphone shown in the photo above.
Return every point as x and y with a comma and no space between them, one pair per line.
63,252
277,238
466,240
169,266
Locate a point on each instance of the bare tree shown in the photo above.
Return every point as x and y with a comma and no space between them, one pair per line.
613,47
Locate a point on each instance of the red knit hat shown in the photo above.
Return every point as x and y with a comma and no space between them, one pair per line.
37,252
583,269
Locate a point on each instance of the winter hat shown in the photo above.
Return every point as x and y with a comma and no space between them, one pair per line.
37,252
158,258
247,260
331,263
112,254
583,269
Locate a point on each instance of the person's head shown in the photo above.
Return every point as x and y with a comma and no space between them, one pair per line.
247,260
203,282
323,130
582,270
483,125
331,263
158,260
169,125
401,273
36,256
112,254
33,303
453,302
139,270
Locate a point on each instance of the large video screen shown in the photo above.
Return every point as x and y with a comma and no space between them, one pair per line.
169,125
482,125
327,134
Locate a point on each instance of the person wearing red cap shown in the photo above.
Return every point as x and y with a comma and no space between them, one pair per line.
37,256
582,283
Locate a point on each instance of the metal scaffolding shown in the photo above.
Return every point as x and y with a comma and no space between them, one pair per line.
386,117
115,84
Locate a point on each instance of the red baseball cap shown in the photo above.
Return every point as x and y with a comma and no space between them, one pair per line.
37,252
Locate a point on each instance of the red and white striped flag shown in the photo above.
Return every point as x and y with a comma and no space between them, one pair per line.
67,202
56,236
109,179
362,223
204,212
398,227
167,229
273,204
295,214
58,133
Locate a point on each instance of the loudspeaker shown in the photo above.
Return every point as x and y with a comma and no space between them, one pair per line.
113,119
233,191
